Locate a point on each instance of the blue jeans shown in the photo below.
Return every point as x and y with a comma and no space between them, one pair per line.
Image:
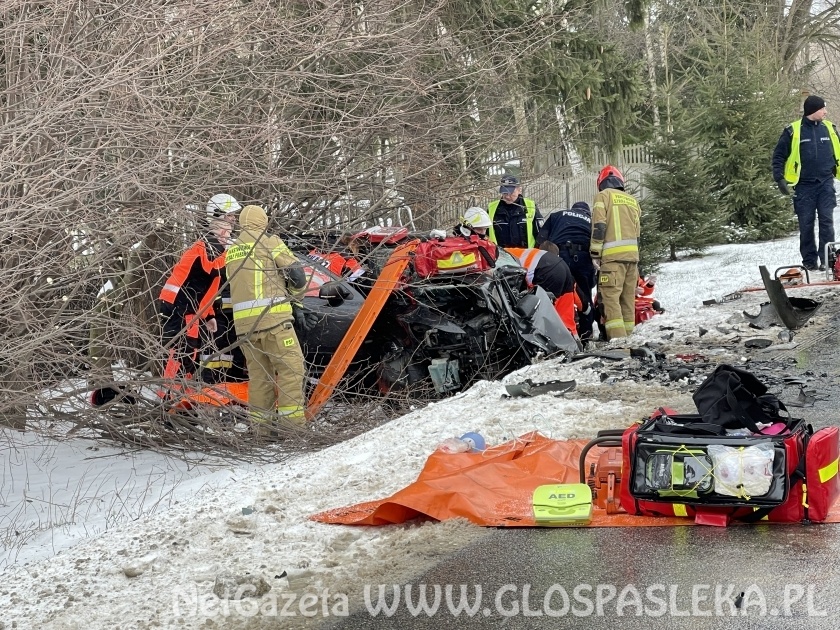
812,201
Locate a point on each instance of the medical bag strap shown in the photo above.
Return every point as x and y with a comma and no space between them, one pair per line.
486,256
696,428
744,414
796,475
770,400
686,424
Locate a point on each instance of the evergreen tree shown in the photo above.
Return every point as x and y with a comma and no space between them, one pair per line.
578,68
652,245
733,105
688,216
740,115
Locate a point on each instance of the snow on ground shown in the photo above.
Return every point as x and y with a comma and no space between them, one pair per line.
53,493
254,520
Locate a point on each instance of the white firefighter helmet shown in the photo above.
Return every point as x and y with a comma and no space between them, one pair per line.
222,204
477,218
474,218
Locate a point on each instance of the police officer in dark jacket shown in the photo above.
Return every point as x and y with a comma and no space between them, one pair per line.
806,159
516,219
571,230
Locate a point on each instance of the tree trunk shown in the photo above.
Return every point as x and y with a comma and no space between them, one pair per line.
651,68
523,136
569,147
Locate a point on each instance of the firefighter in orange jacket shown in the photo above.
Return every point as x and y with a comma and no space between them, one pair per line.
614,248
546,269
188,295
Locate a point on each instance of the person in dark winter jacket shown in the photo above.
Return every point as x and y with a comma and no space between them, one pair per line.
571,231
547,270
516,219
806,159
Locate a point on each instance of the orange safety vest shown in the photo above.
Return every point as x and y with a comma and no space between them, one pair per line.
528,258
563,304
194,268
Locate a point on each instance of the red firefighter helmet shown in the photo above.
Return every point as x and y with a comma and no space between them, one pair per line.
608,171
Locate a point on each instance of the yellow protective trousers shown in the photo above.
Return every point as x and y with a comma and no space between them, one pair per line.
276,374
617,290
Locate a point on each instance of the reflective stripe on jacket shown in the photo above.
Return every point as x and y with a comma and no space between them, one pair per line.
194,281
528,258
793,165
254,266
616,220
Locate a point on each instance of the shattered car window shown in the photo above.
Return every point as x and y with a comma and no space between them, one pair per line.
506,259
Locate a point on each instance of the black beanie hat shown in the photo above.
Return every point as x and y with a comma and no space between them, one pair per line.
812,104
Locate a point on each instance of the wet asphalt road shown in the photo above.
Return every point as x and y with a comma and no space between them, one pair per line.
658,577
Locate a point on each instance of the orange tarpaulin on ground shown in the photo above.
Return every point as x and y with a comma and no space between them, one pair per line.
493,488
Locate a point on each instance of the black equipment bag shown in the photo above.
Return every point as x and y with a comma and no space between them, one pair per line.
735,399
671,461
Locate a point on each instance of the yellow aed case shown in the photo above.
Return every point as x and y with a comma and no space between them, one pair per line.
563,505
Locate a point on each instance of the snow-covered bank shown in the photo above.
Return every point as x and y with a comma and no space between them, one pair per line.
55,493
259,523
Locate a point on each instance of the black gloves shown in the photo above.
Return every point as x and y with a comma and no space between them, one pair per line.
783,187
300,318
295,276
305,320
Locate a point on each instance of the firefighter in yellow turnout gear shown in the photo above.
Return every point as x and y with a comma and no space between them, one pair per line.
615,251
263,273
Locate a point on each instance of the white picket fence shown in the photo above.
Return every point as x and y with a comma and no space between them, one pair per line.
558,193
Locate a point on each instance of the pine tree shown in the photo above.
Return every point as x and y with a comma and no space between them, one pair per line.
688,216
736,105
